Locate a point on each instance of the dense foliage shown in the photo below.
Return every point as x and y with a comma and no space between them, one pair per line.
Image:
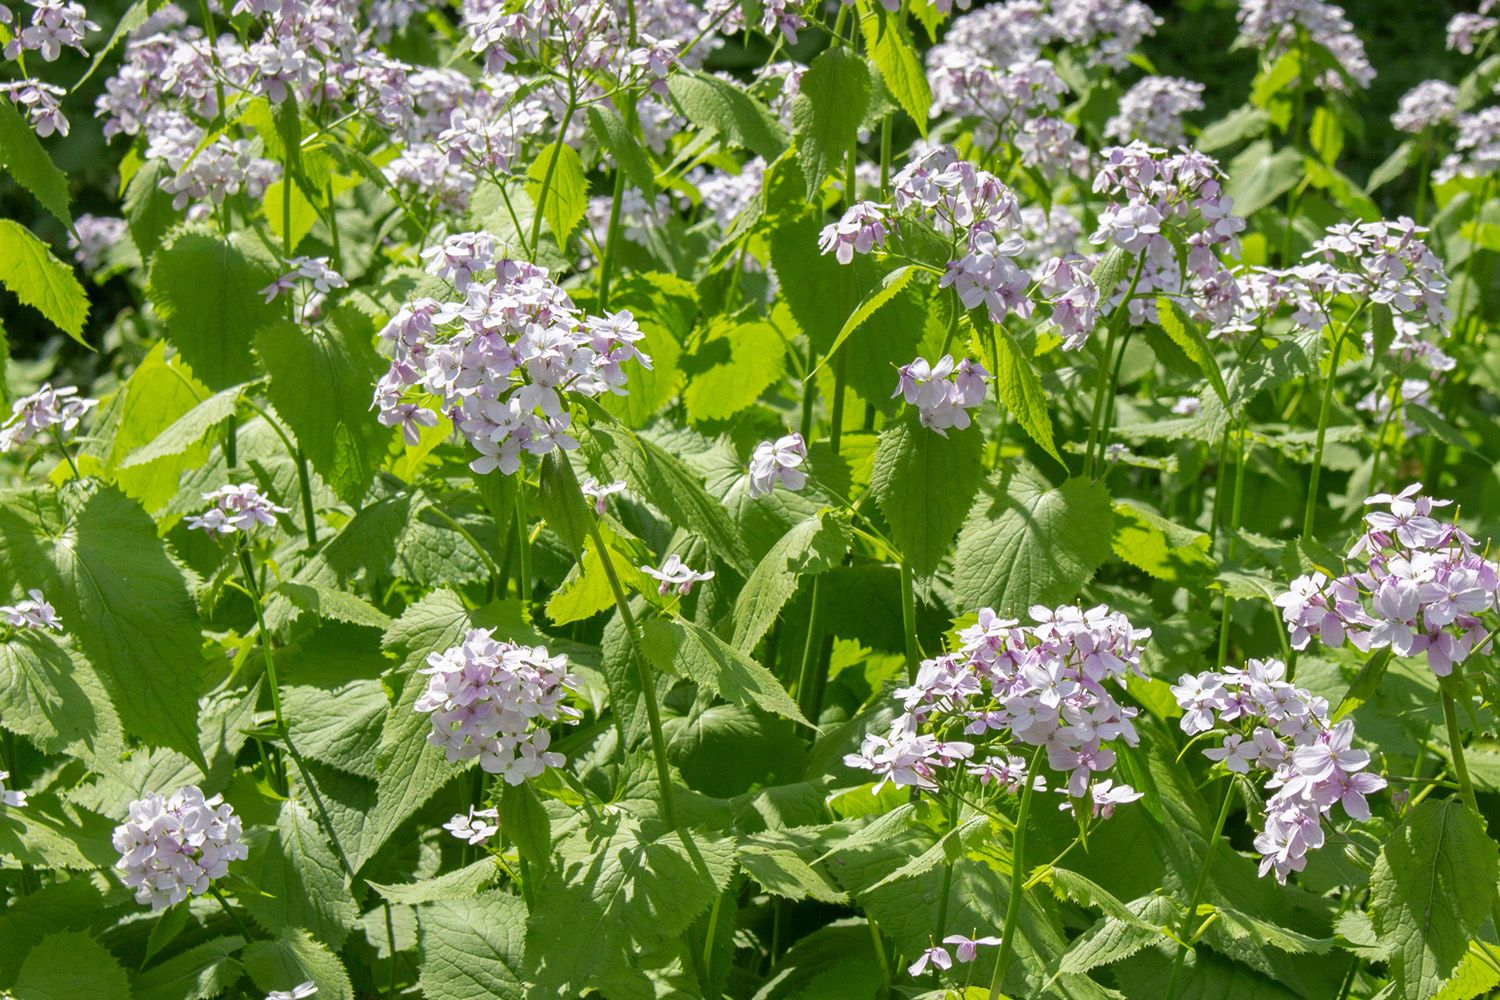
748,499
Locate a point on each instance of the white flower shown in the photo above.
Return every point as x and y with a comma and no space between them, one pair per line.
10,797
676,574
299,992
777,462
172,848
33,613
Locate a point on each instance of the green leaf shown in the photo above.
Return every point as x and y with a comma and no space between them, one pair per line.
157,393
924,483
891,286
1258,176
30,166
472,948
207,292
148,207
43,694
1241,123
1402,159
1186,335
1366,683
320,385
296,958
724,109
1432,888
332,604
1273,81
811,546
716,666
1162,548
1026,542
628,155
896,58
34,274
780,871
826,113
1021,391
732,365
1383,326
1110,271
135,16
615,892
525,821
1112,939
297,881
559,498
809,278
1326,135
200,973
567,191
188,430
458,884
585,591
70,966
126,604
660,478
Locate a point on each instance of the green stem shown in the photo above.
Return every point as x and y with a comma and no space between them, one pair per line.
304,484
909,621
523,543
1090,461
1234,524
611,237
540,208
946,891
1461,770
390,942
1198,883
239,922
252,586
1017,879
1324,408
644,675
811,648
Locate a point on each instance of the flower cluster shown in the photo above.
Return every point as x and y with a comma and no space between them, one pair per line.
942,393
1010,685
94,236
1466,28
34,612
1476,148
1152,109
42,103
9,796
1276,24
777,462
1427,105
515,345
1417,584
676,575
236,507
487,698
475,828
55,25
44,409
171,848
1275,727
966,949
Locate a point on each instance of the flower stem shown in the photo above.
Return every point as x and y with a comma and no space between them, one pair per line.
1234,526
1017,879
252,585
946,891
1192,908
1461,770
644,676
1323,410
1106,379
523,544
909,620
239,922
304,483
811,650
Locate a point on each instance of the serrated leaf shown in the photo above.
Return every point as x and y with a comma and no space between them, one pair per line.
1112,939
1241,123
298,881
811,546
924,483
1021,391
472,948
612,134
1110,271
567,191
34,274
524,820
1432,887
1259,176
717,666
28,164
1026,542
1164,549
70,966
780,871
896,58
730,368
42,693
727,111
296,958
890,286
200,973
826,113
559,499
188,430
148,207
334,605
1186,335
320,382
585,591
1365,683
458,884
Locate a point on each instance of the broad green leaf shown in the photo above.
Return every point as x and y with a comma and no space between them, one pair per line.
1162,548
460,883
187,431
616,891
560,501
1113,939
47,695
810,547
126,603
730,368
1241,123
1432,887
525,821
1477,975
924,482
1366,683
296,958
207,293
1398,163
894,55
1273,81
585,591
70,966
567,190
782,872
665,307
134,16
1186,335
826,113
157,394
472,948
320,385
298,881
148,207
657,476
1259,176
28,164
1021,391
819,292
717,666
200,973
1326,135
1113,269
34,274
891,286
332,604
1026,542
628,155
724,109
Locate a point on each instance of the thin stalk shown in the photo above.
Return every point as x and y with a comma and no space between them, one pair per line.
644,675
540,208
239,921
231,441
1461,772
1017,880
252,586
1384,432
885,158
946,891
1234,524
304,484
806,683
909,620
390,941
1323,411
611,238
523,544
706,966
1198,883
1089,458
840,379
1114,388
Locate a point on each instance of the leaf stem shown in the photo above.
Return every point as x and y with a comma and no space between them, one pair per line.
1017,879
1192,908
1315,473
239,922
252,586
304,485
909,620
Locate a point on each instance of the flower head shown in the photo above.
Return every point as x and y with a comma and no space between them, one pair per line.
34,612
676,575
777,462
237,507
173,847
